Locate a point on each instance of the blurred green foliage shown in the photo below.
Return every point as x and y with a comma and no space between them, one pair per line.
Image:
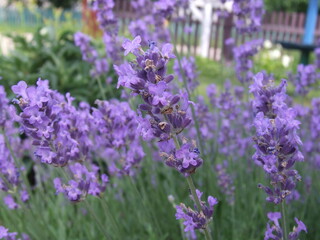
49,56
286,5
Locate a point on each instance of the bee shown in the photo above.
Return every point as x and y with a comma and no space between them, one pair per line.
196,150
271,150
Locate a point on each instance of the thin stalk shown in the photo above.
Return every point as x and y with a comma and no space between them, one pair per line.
192,107
103,94
92,213
194,193
283,211
102,229
145,205
106,209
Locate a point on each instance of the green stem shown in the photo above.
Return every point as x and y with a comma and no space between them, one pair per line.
106,209
194,193
145,205
192,107
92,213
283,211
102,229
103,94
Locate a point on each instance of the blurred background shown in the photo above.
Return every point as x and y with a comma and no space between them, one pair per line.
36,39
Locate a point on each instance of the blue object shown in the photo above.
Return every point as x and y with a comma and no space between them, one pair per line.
307,46
311,22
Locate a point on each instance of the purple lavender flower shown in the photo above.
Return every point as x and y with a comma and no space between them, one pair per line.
197,218
207,121
188,72
117,137
313,132
105,15
304,79
269,99
185,160
167,114
83,182
10,202
109,25
153,15
131,46
90,55
276,138
59,131
225,182
212,94
274,230
83,41
243,58
317,54
249,15
101,66
11,149
6,235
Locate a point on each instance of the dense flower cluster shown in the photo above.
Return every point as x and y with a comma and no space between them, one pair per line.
117,136
196,218
59,131
274,230
166,113
83,182
276,137
232,113
304,79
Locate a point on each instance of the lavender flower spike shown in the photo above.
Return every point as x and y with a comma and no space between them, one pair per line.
196,219
165,116
274,229
277,142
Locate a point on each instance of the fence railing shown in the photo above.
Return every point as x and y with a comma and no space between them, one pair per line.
35,16
186,29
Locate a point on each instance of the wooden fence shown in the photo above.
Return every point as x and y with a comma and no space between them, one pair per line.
186,29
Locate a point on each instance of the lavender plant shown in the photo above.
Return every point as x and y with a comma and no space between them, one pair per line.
276,141
166,114
11,149
304,79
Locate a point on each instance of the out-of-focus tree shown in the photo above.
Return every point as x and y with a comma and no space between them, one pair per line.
286,6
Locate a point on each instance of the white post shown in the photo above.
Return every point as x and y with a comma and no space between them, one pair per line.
206,26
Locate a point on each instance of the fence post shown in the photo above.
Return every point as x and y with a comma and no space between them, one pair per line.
227,29
206,25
